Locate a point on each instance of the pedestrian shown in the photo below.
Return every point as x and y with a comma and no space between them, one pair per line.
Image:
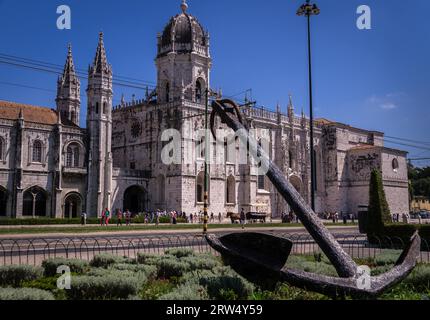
157,218
119,217
127,217
220,217
83,218
107,215
103,218
174,218
345,218
212,217
191,218
242,218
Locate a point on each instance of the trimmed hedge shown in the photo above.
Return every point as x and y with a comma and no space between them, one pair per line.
404,232
25,294
44,221
76,266
102,288
74,221
15,275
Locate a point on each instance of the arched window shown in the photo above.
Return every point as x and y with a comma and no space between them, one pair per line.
167,92
395,164
76,157
73,156
231,190
200,188
104,107
37,151
69,156
2,145
290,159
198,92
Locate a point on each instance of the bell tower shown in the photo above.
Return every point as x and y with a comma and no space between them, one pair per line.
69,92
99,124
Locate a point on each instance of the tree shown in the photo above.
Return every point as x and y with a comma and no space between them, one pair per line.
379,212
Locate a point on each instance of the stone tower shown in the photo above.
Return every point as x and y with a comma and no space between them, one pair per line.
183,59
69,92
99,124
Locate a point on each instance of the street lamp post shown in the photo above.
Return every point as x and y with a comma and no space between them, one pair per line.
309,10
206,180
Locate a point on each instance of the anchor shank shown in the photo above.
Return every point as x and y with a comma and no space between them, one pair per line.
343,263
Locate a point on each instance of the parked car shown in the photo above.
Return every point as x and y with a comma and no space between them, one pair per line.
425,215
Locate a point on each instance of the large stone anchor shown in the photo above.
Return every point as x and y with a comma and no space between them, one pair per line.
258,255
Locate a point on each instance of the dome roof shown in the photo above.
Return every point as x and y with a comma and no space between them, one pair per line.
183,34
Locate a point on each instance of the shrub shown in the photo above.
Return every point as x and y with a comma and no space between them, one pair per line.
155,289
306,264
189,291
180,253
201,263
147,258
105,260
149,271
169,267
16,274
25,294
221,283
419,278
48,284
387,257
379,212
217,285
76,266
102,288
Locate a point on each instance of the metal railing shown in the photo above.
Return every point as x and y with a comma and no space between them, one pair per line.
34,251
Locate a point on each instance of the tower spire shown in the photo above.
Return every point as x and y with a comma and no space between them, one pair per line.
100,61
290,109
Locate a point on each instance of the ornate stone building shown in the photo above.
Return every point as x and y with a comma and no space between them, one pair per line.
49,166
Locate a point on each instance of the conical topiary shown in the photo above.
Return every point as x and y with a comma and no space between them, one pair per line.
379,212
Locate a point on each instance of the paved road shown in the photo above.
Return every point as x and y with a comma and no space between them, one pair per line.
350,230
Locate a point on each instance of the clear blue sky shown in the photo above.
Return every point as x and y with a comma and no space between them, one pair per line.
376,79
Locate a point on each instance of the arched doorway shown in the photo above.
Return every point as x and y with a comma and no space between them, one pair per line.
135,199
72,206
34,202
3,202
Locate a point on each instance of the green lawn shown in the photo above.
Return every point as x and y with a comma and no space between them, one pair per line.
114,228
